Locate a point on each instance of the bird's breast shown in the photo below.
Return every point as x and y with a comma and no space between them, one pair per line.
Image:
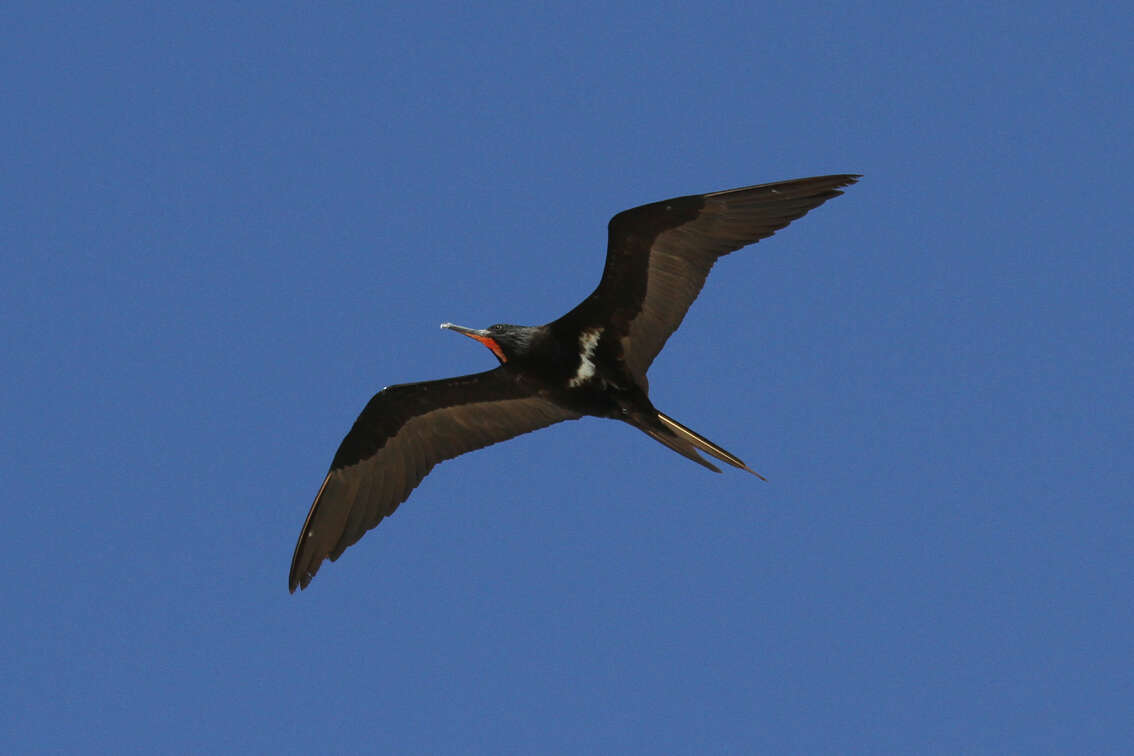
585,369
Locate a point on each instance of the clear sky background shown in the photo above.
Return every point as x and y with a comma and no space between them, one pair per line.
226,226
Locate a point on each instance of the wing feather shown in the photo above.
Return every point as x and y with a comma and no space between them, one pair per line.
658,255
401,434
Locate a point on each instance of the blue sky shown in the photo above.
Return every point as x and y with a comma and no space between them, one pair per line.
226,226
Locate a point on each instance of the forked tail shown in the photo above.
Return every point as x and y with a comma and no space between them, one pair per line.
685,442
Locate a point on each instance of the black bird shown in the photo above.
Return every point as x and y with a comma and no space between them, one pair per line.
591,361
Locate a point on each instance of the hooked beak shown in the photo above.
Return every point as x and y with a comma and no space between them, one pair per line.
481,335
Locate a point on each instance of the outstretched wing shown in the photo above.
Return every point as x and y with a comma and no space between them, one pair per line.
658,255
401,434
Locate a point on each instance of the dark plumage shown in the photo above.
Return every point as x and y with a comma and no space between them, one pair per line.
591,361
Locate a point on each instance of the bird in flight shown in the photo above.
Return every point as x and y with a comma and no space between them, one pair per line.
591,361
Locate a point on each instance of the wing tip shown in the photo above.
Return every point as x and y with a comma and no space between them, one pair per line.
831,184
294,581
304,562
827,186
845,179
300,577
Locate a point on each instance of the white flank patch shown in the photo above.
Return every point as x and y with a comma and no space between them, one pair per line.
587,343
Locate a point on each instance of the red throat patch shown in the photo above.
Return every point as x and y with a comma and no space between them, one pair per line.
490,342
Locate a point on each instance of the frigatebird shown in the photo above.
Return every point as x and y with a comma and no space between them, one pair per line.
591,361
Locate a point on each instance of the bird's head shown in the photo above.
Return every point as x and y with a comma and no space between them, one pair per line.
503,340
